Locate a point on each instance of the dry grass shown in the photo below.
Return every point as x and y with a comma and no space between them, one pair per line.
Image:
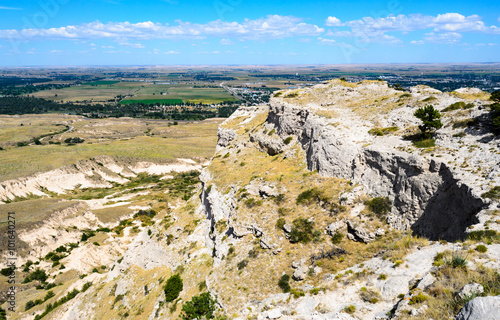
443,302
196,140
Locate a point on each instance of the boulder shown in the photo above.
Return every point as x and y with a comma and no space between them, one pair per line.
332,228
482,308
300,273
358,233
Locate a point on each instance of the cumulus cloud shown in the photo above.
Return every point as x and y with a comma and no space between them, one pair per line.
445,27
417,42
270,27
333,22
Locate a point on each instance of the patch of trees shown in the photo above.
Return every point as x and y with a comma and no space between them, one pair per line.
74,140
31,105
19,90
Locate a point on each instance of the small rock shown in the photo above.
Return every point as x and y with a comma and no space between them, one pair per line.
421,310
470,289
257,232
380,232
426,281
274,314
332,228
307,287
317,270
295,264
266,244
300,273
287,228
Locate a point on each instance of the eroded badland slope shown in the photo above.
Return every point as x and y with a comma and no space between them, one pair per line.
316,206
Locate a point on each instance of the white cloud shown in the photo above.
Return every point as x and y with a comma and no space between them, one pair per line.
107,47
132,45
172,52
9,8
332,42
333,22
270,27
445,27
55,51
226,42
417,42
447,38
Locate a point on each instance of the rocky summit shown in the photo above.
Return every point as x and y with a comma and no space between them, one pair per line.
326,203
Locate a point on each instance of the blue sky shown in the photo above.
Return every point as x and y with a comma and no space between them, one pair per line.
181,32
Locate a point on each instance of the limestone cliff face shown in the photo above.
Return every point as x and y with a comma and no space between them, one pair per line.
427,195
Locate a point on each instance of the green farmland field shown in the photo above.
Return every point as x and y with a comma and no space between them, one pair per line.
102,83
153,101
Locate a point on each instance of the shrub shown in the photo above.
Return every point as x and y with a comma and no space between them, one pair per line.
302,231
481,248
7,271
418,298
382,131
30,304
480,235
61,249
288,140
457,260
200,307
369,295
382,277
49,295
455,106
280,223
173,287
291,95
38,274
86,235
425,143
350,309
284,283
251,202
430,119
242,264
493,194
337,237
310,196
381,206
